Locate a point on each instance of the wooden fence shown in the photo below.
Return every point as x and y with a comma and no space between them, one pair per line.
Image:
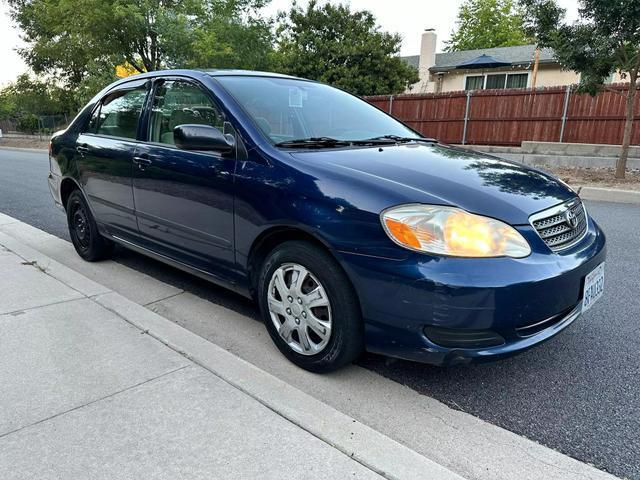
507,117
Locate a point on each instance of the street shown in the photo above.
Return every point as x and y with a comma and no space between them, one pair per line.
577,394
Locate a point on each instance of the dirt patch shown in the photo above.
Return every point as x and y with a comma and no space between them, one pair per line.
25,143
597,177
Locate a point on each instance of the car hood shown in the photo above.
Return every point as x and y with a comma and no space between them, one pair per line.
443,175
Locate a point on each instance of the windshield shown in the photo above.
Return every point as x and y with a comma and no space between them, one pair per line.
288,109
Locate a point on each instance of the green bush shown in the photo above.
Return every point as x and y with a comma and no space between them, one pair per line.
28,124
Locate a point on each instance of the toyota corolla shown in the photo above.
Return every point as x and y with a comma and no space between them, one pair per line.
350,229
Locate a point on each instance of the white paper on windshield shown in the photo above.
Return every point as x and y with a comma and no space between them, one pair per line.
295,97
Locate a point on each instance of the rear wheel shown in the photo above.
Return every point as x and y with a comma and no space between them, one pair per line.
83,230
310,308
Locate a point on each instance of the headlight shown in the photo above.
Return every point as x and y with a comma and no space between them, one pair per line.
452,231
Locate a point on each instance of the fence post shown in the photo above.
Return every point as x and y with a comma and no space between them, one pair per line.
390,104
564,112
466,118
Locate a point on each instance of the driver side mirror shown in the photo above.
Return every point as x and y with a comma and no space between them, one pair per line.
202,137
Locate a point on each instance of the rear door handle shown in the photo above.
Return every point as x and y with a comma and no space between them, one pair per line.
82,149
142,162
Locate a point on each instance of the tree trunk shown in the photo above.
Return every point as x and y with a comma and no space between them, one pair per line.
621,164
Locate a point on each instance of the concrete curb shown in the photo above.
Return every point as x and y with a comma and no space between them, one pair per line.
20,149
614,195
48,266
360,442
365,445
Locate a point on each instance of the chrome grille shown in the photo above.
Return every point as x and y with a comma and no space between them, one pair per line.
555,226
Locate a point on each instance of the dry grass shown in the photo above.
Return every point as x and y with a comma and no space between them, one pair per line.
25,143
597,177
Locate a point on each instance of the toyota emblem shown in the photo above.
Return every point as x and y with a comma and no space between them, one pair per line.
571,218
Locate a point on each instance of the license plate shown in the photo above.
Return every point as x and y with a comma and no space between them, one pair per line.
593,287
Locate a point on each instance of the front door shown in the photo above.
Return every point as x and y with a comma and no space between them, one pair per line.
184,199
105,155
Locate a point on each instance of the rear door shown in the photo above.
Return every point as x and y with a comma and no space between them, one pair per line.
105,156
184,199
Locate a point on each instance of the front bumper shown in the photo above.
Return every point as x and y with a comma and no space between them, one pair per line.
523,302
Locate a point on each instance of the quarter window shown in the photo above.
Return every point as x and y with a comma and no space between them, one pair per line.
178,103
119,113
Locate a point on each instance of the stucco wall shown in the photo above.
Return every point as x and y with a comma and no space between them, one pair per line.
553,77
548,76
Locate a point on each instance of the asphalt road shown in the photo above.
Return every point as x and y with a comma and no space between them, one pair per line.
579,393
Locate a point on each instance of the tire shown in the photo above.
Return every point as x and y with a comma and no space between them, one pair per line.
330,332
86,239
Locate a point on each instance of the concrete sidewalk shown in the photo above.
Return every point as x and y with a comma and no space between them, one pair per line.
93,385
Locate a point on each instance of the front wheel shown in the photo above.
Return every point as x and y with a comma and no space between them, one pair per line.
310,308
83,230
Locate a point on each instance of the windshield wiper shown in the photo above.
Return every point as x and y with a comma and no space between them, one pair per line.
312,142
399,139
328,142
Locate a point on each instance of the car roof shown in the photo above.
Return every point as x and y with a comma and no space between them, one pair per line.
211,73
199,74
245,73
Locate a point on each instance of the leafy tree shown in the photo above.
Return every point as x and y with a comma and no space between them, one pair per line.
65,37
605,39
236,37
26,96
29,123
344,48
488,24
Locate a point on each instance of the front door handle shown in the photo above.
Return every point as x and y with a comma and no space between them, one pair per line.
142,162
82,149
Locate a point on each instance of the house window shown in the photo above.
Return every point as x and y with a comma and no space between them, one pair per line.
497,81
474,83
517,80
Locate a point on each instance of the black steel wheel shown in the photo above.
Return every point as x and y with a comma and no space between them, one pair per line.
83,230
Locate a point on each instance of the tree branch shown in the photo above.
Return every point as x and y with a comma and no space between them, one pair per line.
614,90
134,63
145,58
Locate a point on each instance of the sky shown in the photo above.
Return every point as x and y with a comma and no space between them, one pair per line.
409,18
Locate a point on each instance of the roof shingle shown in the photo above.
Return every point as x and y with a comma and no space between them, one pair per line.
515,55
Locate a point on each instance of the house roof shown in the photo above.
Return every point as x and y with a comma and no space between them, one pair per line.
519,55
413,60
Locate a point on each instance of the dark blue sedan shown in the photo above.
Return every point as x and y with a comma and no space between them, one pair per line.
351,230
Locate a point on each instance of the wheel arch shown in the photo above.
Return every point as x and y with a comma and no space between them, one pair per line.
270,239
67,186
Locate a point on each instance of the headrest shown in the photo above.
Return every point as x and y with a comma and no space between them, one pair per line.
184,116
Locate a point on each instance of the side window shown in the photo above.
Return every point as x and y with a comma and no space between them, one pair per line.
119,113
177,103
